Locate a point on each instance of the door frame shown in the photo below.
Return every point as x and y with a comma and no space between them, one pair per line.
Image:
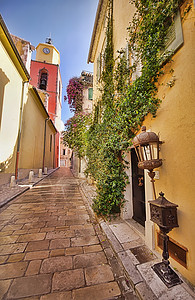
127,210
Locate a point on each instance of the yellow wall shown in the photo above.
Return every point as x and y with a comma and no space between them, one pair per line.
11,95
53,57
175,123
32,139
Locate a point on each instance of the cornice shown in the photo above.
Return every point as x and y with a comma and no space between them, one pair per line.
99,19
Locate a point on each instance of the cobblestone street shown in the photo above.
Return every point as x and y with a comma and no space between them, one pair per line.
51,247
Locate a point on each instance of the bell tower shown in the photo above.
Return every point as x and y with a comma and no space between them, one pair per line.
46,78
46,52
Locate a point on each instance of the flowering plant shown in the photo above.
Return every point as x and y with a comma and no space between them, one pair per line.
75,132
75,94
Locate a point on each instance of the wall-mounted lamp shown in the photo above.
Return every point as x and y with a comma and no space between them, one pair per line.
147,149
163,212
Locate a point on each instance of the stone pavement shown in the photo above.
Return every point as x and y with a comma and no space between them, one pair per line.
127,241
8,193
51,247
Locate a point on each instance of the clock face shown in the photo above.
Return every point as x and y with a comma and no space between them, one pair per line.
46,50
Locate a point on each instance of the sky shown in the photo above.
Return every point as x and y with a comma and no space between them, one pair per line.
70,23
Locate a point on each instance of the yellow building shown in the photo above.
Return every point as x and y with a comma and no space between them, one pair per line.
13,91
175,125
26,132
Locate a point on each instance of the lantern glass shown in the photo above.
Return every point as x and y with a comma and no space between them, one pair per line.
147,152
155,150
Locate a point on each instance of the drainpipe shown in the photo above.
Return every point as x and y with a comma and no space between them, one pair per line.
54,152
20,130
44,144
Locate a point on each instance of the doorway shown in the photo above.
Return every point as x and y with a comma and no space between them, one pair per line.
139,210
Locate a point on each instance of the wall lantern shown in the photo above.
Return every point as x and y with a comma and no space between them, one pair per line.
164,214
147,149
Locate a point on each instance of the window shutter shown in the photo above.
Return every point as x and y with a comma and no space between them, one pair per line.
138,70
127,54
99,66
90,93
174,38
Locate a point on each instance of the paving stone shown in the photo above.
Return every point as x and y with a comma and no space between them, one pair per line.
31,237
47,229
60,234
123,232
74,250
57,252
68,280
55,264
8,239
114,241
36,255
31,298
33,267
90,259
3,258
97,292
98,274
129,266
92,248
4,233
84,232
12,270
38,245
145,292
34,225
84,241
30,286
12,248
16,257
4,286
59,243
57,296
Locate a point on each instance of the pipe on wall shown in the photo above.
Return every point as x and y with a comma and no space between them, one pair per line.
20,129
44,144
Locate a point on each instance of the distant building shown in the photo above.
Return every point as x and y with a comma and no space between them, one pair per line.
65,154
78,164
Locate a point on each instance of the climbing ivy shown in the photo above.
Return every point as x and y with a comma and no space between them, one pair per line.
126,100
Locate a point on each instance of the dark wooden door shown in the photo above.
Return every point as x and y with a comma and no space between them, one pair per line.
139,211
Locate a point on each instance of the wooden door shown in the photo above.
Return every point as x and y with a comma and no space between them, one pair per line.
139,211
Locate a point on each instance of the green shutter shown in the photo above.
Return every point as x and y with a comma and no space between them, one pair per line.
99,66
174,38
90,93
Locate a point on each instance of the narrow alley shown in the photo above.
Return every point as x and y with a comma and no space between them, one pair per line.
51,247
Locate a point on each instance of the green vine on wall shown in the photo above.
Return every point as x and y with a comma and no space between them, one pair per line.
126,100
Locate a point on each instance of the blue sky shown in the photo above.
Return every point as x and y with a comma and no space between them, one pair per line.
70,23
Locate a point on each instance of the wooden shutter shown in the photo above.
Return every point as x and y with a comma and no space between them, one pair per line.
90,93
174,38
99,66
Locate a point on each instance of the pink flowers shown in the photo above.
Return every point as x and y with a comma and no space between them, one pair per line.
75,94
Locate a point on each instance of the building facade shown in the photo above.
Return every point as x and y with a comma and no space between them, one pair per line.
175,125
27,133
79,164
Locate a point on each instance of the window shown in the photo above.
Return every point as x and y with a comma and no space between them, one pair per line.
64,151
43,79
90,93
174,38
99,67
